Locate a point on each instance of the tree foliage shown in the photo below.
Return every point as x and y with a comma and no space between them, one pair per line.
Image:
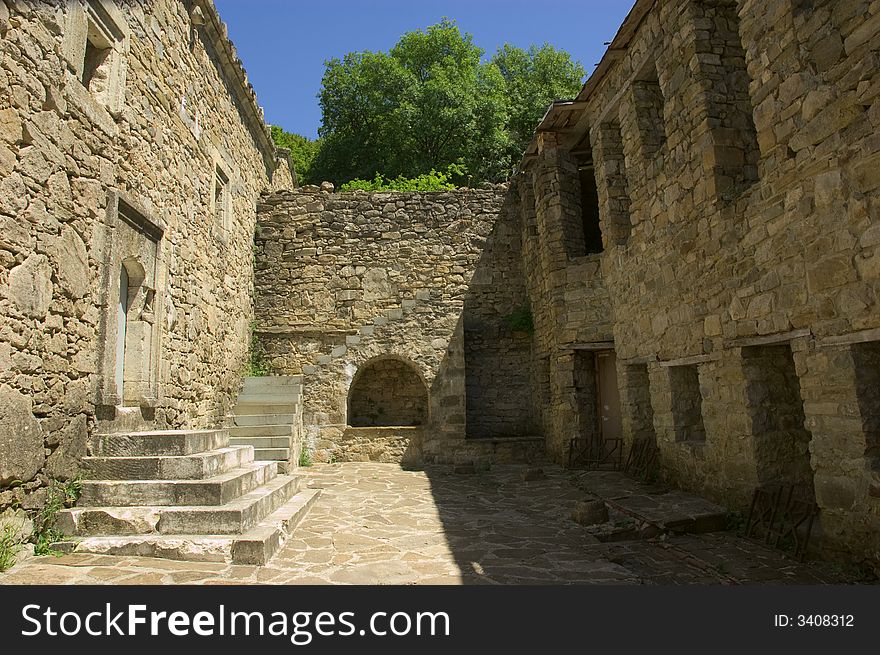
432,102
302,152
535,78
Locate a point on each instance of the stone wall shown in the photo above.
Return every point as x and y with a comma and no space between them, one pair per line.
748,218
115,118
346,281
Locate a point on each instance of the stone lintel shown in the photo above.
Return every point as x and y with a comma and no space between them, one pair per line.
693,359
781,337
645,359
862,336
594,345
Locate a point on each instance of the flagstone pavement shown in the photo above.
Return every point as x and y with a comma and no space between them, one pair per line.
378,524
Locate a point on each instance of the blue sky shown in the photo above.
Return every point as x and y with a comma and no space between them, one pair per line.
284,43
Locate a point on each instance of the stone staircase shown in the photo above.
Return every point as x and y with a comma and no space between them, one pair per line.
268,416
183,494
370,330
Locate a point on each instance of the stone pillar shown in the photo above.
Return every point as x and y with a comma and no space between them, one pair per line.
611,183
847,489
637,413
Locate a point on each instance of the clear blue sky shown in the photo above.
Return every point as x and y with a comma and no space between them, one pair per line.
284,43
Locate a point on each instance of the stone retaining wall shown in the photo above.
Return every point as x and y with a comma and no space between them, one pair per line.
345,280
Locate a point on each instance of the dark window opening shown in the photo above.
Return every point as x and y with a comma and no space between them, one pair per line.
781,442
866,358
590,210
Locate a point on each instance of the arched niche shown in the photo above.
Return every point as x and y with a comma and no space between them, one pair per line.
387,391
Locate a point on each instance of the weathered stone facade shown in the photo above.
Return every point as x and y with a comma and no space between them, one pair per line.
689,254
406,294
132,154
733,147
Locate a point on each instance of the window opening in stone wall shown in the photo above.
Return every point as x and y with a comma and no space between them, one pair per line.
733,157
100,72
687,404
649,103
590,209
221,199
387,392
781,442
866,359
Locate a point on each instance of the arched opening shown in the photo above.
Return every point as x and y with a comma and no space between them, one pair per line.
387,392
121,324
132,333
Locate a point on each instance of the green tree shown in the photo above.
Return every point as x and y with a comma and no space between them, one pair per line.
535,78
432,103
302,151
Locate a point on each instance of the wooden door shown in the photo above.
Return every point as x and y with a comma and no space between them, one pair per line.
610,424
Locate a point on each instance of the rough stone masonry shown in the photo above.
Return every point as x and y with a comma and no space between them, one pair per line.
688,254
132,154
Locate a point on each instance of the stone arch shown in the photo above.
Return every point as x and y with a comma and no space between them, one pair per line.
388,391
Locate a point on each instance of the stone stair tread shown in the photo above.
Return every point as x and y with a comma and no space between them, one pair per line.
261,442
158,442
272,454
265,430
214,490
233,517
167,467
256,546
268,399
252,420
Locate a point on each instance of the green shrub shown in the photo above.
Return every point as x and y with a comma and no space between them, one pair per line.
9,547
521,320
433,181
60,496
305,457
258,364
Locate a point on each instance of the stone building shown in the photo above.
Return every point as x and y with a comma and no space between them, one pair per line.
688,256
132,155
701,238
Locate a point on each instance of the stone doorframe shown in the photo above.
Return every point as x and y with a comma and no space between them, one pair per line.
131,238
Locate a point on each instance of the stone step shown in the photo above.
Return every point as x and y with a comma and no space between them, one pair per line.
157,443
272,454
164,467
262,419
280,382
217,490
270,398
256,546
262,442
260,407
233,518
239,431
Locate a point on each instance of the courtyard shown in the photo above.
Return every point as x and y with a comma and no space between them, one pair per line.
378,524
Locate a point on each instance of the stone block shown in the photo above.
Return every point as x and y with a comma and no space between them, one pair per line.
532,474
590,512
21,438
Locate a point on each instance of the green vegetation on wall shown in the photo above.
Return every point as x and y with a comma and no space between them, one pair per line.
431,181
520,320
258,364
